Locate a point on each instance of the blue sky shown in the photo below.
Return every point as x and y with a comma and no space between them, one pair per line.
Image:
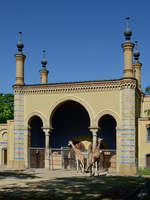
82,38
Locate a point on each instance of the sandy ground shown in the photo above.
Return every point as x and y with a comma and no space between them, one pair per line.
41,175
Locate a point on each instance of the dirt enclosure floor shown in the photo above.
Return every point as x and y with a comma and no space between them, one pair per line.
65,185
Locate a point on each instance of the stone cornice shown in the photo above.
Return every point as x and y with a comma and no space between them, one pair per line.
73,87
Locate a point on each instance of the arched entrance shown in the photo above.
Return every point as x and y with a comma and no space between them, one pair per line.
4,151
36,143
3,147
107,130
70,120
148,161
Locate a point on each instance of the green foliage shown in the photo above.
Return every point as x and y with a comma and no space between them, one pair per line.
145,171
147,91
6,107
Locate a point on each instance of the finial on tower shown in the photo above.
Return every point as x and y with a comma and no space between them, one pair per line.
20,45
127,32
44,61
136,53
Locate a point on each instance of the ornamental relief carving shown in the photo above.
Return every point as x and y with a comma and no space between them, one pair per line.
74,88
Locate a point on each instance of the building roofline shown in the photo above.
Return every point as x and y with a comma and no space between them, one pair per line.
72,83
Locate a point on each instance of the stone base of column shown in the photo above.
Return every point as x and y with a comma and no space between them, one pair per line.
47,163
127,169
18,164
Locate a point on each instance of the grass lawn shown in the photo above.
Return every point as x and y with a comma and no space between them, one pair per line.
75,188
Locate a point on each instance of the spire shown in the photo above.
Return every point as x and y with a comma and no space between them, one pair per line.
136,53
127,32
20,45
44,72
128,52
44,61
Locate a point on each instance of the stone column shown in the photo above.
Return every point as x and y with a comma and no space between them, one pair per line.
43,71
128,132
43,76
128,68
20,58
27,143
127,51
137,72
47,135
94,134
118,149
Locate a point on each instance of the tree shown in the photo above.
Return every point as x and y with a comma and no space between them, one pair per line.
147,91
6,107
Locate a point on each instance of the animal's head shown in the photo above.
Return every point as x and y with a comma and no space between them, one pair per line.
70,143
100,139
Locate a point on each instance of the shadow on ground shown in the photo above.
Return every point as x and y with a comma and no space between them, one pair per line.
79,188
19,174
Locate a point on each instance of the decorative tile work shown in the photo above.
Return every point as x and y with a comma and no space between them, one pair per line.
19,126
127,132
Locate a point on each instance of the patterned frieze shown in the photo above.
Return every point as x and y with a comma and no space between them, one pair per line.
76,87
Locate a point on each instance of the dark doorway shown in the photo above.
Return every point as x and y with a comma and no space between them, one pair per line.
5,156
69,120
107,125
37,143
148,161
37,138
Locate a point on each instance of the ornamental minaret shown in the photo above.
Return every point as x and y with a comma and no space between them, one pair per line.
43,71
20,58
137,65
128,49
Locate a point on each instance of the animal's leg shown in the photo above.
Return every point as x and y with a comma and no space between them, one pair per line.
83,168
80,166
96,167
96,164
101,161
77,165
93,170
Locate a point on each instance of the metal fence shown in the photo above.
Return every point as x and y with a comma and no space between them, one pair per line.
64,158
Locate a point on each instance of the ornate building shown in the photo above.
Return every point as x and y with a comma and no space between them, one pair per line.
50,114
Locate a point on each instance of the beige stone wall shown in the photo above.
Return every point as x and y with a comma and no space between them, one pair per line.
3,141
97,104
143,144
145,105
43,105
10,152
6,135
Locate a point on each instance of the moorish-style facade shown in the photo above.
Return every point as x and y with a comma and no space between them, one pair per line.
48,115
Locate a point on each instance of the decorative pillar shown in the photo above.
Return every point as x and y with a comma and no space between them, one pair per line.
137,66
127,130
27,145
43,72
118,149
20,58
128,49
94,135
47,135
